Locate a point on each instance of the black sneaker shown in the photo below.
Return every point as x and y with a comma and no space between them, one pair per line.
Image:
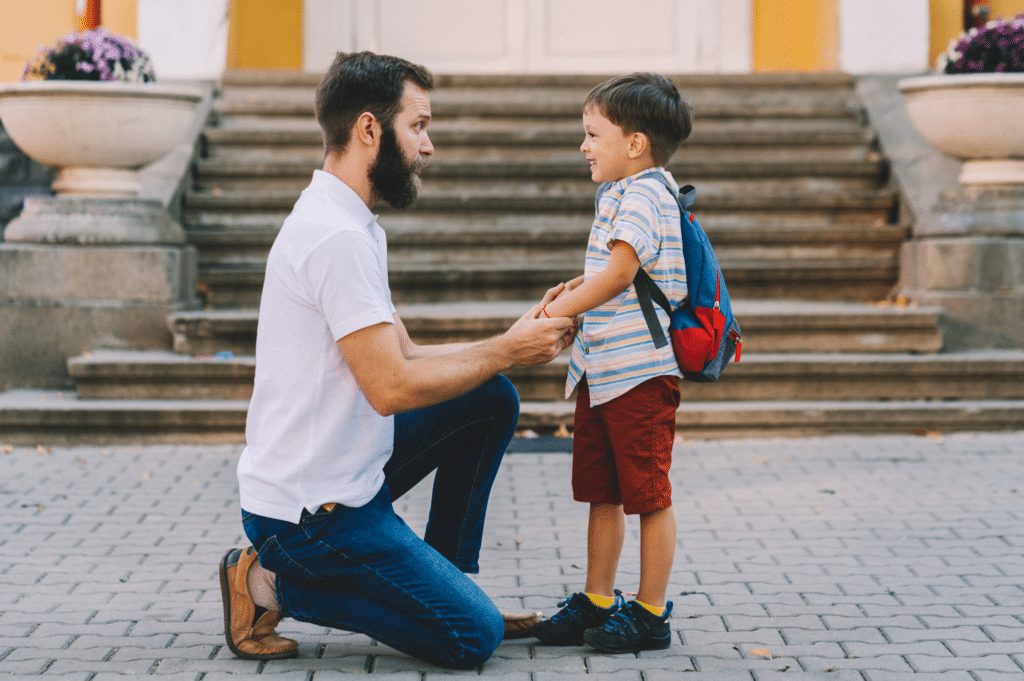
631,629
578,613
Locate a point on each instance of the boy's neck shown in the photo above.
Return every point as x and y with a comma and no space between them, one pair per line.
639,168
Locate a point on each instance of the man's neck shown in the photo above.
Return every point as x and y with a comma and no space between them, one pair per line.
351,172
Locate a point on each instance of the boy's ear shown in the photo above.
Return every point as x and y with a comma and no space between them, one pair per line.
638,144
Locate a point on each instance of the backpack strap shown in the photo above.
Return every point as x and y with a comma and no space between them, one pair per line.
646,290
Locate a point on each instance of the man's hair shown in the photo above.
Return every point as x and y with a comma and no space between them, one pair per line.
646,103
359,82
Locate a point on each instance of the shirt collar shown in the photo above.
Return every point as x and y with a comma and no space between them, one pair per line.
618,188
344,196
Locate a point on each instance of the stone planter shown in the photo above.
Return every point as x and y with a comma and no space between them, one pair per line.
977,117
97,134
98,265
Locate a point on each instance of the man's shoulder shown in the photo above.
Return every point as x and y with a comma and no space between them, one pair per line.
315,218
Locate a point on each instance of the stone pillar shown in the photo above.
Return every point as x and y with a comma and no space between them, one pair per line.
20,177
968,257
78,274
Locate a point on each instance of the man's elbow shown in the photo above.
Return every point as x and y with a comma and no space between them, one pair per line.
384,404
391,399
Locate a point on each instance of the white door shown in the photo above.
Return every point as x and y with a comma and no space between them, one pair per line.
536,36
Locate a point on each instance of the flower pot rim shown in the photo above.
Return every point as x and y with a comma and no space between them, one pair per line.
946,80
181,90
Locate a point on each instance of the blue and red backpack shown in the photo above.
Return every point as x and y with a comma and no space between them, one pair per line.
705,335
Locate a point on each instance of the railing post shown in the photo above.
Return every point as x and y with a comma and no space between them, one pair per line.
87,14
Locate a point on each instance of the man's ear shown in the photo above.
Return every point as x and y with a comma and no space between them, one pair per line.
367,129
638,144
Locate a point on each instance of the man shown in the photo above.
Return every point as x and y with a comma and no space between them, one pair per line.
348,413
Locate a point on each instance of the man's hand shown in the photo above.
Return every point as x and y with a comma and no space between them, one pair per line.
537,339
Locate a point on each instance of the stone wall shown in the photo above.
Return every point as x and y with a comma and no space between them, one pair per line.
20,176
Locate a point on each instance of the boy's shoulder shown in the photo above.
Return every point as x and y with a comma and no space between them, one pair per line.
653,191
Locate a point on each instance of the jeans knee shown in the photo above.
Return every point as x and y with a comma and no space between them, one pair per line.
478,645
505,397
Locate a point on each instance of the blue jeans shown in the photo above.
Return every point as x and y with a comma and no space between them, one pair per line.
363,569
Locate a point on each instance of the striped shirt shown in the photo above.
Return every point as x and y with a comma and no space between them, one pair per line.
614,347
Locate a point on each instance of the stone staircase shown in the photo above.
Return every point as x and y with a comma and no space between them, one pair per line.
791,189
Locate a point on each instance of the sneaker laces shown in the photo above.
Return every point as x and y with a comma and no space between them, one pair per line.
572,611
622,620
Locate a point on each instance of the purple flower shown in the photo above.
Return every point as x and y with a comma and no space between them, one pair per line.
90,55
996,48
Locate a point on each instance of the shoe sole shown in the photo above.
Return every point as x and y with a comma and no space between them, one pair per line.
225,597
659,643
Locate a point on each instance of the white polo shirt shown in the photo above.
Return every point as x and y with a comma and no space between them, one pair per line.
311,435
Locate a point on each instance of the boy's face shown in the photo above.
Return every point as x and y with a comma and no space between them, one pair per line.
606,147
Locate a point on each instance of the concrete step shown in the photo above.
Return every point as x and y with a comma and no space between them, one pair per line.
839,82
772,326
856,279
30,418
34,417
420,230
523,164
231,239
760,377
302,134
798,195
227,247
710,101
717,420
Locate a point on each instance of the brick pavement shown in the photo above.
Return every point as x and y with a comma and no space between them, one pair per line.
844,558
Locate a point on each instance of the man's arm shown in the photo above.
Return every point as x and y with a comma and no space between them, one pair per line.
394,382
413,351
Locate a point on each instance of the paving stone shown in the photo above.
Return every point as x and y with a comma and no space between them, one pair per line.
790,675
875,675
998,663
814,588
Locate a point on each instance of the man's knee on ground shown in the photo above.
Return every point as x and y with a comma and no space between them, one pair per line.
475,648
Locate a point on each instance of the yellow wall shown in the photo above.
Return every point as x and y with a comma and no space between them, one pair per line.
947,21
26,26
265,34
796,35
120,16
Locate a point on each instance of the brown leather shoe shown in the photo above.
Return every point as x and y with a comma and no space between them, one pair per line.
520,625
249,637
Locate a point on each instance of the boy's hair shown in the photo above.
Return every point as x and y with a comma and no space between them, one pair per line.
647,103
359,82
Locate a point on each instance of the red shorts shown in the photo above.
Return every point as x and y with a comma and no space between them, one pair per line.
622,449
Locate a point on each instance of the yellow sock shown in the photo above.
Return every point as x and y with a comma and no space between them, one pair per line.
601,601
655,610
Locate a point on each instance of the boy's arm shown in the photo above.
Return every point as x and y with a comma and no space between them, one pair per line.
599,289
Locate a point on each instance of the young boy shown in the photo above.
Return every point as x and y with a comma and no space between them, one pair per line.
628,389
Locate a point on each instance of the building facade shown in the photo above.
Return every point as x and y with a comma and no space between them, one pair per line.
200,38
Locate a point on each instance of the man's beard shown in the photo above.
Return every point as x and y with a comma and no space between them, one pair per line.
391,177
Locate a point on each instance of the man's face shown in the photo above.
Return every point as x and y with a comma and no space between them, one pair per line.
404,150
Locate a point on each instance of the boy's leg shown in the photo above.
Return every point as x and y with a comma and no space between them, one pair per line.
593,481
657,552
464,440
641,429
606,529
363,569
